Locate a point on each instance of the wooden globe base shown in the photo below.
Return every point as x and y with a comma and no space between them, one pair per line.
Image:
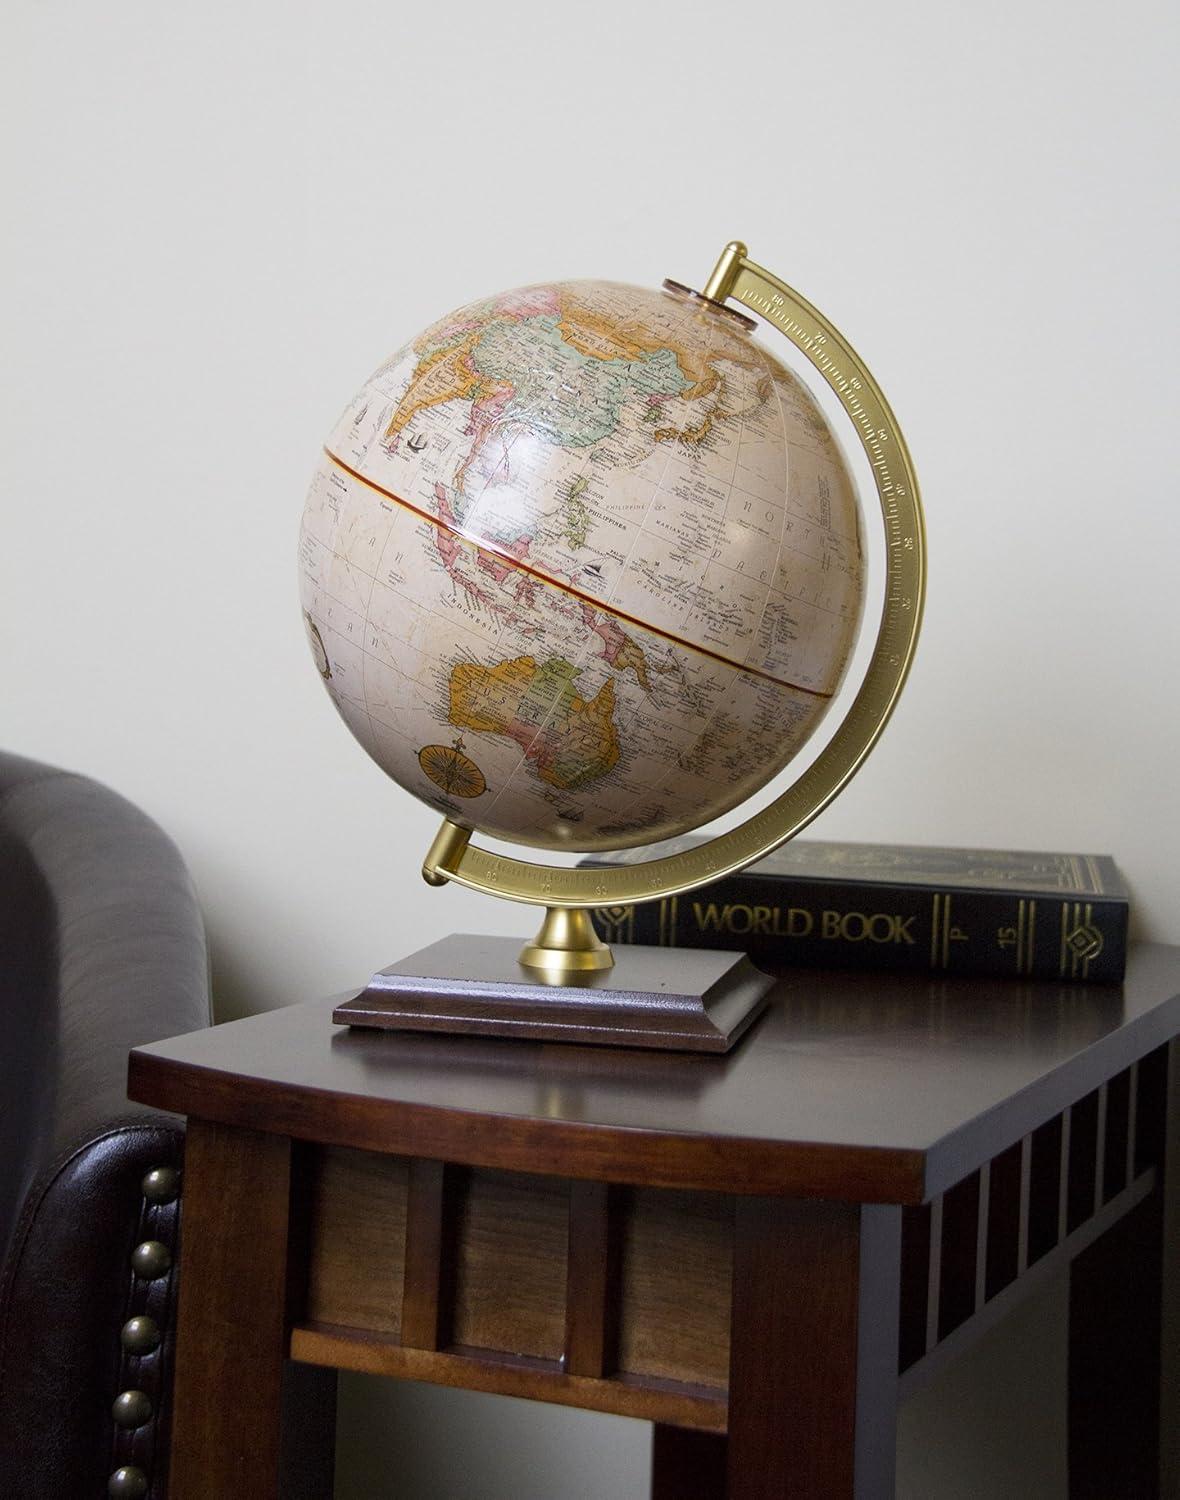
686,1000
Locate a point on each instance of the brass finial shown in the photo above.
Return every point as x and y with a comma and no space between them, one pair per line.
720,284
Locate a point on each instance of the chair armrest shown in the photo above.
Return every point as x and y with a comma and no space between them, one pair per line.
101,949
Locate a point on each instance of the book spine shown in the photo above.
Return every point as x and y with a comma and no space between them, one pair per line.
801,923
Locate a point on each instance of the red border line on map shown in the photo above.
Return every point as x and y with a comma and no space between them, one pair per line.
566,588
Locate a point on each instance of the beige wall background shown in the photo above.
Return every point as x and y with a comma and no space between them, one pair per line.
220,218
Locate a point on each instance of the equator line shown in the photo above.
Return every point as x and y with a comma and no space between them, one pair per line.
566,588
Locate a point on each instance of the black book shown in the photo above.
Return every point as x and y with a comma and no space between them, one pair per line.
893,906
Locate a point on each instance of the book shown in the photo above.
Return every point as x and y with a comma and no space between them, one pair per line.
894,906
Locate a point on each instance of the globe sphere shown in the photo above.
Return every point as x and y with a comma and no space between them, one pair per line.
581,567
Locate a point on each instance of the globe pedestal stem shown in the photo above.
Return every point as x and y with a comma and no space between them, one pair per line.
566,944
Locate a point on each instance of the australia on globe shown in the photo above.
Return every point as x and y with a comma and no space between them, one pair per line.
582,565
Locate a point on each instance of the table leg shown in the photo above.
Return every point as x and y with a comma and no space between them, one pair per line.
231,1326
687,1465
307,1464
1115,1307
813,1364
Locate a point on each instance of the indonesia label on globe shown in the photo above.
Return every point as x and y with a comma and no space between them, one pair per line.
582,565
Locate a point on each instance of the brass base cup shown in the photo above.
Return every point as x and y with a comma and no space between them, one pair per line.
566,944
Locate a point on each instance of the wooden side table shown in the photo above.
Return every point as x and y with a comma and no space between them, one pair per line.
758,1253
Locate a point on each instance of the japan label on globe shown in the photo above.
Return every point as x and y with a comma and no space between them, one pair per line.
582,565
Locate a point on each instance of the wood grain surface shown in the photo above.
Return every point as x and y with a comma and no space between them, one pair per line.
851,1087
820,1278
508,1375
691,1000
510,1264
675,1278
357,1236
232,1323
608,1283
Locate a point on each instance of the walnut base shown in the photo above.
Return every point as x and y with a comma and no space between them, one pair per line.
676,999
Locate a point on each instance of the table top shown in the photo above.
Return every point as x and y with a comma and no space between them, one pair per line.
865,1087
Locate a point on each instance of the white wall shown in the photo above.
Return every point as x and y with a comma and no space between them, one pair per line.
219,217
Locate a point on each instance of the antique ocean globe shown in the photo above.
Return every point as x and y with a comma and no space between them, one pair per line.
582,568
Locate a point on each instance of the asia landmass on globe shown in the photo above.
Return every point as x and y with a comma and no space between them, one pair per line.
582,565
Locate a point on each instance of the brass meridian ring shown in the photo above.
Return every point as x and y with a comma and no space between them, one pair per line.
452,857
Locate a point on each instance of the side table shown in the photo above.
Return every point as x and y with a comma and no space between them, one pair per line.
758,1253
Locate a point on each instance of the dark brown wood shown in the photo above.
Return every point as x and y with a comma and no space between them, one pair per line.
1116,1303
687,1465
1100,1132
307,1463
1047,1149
1114,1360
503,1374
428,1259
509,1263
1118,1111
1132,1121
592,1281
682,999
232,1324
850,1098
1003,1224
915,1284
356,1238
821,1278
308,1400
522,1264
1036,1278
676,1270
934,1280
1025,1204
981,1235
958,1260
864,1088
1084,1185
1151,1123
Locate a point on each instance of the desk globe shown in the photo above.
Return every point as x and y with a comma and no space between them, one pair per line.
582,568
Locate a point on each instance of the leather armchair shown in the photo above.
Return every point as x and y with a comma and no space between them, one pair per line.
101,949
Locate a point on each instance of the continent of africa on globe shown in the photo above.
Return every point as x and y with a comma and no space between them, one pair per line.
581,566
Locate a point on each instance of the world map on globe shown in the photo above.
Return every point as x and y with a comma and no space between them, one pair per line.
582,566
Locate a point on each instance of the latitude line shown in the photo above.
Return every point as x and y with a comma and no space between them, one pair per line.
567,588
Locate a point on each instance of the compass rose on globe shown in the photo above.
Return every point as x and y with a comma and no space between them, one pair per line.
583,566
452,771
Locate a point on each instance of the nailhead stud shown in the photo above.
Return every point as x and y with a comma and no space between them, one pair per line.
128,1483
161,1185
132,1409
140,1335
151,1260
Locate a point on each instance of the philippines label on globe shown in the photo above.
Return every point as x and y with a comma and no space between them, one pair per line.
582,565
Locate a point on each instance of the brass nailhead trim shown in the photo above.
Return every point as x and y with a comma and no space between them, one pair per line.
151,1259
128,1483
161,1185
132,1408
140,1335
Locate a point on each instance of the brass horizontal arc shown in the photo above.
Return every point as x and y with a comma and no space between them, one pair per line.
870,710
590,600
